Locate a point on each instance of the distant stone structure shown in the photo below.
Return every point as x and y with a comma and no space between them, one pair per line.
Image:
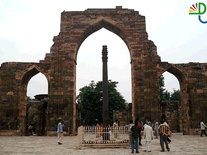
59,67
124,116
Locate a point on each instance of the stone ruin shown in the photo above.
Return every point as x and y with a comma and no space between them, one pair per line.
59,67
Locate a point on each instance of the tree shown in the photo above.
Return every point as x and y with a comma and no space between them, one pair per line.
164,94
90,98
175,95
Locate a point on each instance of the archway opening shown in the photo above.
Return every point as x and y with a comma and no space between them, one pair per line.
170,100
38,84
36,109
171,82
89,62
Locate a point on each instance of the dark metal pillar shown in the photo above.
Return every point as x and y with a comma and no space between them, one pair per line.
105,94
105,87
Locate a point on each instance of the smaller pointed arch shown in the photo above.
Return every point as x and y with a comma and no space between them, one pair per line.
32,71
180,75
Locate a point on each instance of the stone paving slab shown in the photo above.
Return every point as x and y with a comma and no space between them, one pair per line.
42,145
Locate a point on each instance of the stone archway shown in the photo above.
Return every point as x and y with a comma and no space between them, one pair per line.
23,109
128,25
181,76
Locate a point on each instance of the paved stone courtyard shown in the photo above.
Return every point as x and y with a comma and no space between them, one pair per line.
36,145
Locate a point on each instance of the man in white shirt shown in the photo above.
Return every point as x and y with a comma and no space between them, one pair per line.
148,136
203,126
115,128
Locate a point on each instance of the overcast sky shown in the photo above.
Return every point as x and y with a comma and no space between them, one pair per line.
28,27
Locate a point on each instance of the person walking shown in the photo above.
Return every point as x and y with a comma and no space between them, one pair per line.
163,129
140,136
134,134
115,128
203,126
156,128
148,136
60,131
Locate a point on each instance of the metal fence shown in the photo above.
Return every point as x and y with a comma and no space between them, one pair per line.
91,136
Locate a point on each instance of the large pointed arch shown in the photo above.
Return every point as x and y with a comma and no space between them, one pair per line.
102,22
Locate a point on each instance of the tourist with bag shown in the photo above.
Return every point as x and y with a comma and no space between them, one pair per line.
163,130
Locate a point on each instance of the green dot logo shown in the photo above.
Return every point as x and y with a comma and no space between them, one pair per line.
198,9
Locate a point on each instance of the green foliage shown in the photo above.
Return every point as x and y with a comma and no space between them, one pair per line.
175,95
33,116
165,95
90,98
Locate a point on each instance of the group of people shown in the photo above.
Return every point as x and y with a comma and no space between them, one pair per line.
135,134
162,129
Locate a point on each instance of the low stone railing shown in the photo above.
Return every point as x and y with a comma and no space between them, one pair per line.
89,136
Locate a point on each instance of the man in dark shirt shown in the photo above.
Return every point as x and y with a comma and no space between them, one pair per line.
134,134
